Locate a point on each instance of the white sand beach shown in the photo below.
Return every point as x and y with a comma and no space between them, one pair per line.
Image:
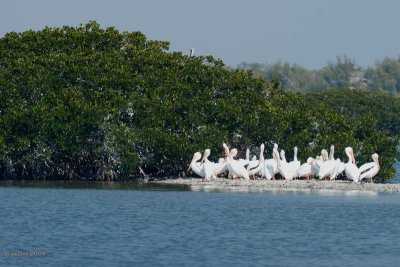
222,184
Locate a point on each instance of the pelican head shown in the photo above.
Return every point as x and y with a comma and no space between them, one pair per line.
283,157
310,160
324,154
233,152
207,153
350,154
375,158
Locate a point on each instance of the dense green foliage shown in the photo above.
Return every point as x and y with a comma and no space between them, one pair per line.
344,73
92,103
385,76
356,103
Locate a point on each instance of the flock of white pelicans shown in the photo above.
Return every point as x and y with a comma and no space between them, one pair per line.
323,166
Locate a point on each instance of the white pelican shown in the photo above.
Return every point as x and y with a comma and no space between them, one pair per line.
316,164
324,155
208,166
234,167
295,164
350,168
220,167
369,170
253,163
233,153
195,166
339,168
271,166
305,170
283,166
283,157
329,167
261,163
319,160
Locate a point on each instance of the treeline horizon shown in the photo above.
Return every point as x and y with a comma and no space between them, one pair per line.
343,73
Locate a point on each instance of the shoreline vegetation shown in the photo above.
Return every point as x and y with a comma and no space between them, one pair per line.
86,103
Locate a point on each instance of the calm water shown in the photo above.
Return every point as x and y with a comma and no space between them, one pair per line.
132,225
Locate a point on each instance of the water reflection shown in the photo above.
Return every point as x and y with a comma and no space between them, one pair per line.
347,193
80,185
95,185
276,191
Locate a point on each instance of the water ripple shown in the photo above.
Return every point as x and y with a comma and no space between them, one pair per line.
140,227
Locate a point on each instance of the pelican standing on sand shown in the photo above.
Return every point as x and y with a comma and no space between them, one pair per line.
305,169
317,162
234,167
208,166
220,167
369,170
329,167
285,170
350,168
196,167
261,163
253,163
295,164
324,154
271,166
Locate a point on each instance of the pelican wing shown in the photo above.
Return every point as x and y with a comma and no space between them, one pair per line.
252,165
304,170
352,172
366,167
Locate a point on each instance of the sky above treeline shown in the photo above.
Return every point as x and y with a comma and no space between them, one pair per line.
310,33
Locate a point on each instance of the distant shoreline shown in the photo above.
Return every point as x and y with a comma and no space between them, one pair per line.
197,184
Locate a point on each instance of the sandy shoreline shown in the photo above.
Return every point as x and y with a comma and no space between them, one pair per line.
265,185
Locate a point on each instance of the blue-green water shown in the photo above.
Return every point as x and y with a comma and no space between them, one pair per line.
133,225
